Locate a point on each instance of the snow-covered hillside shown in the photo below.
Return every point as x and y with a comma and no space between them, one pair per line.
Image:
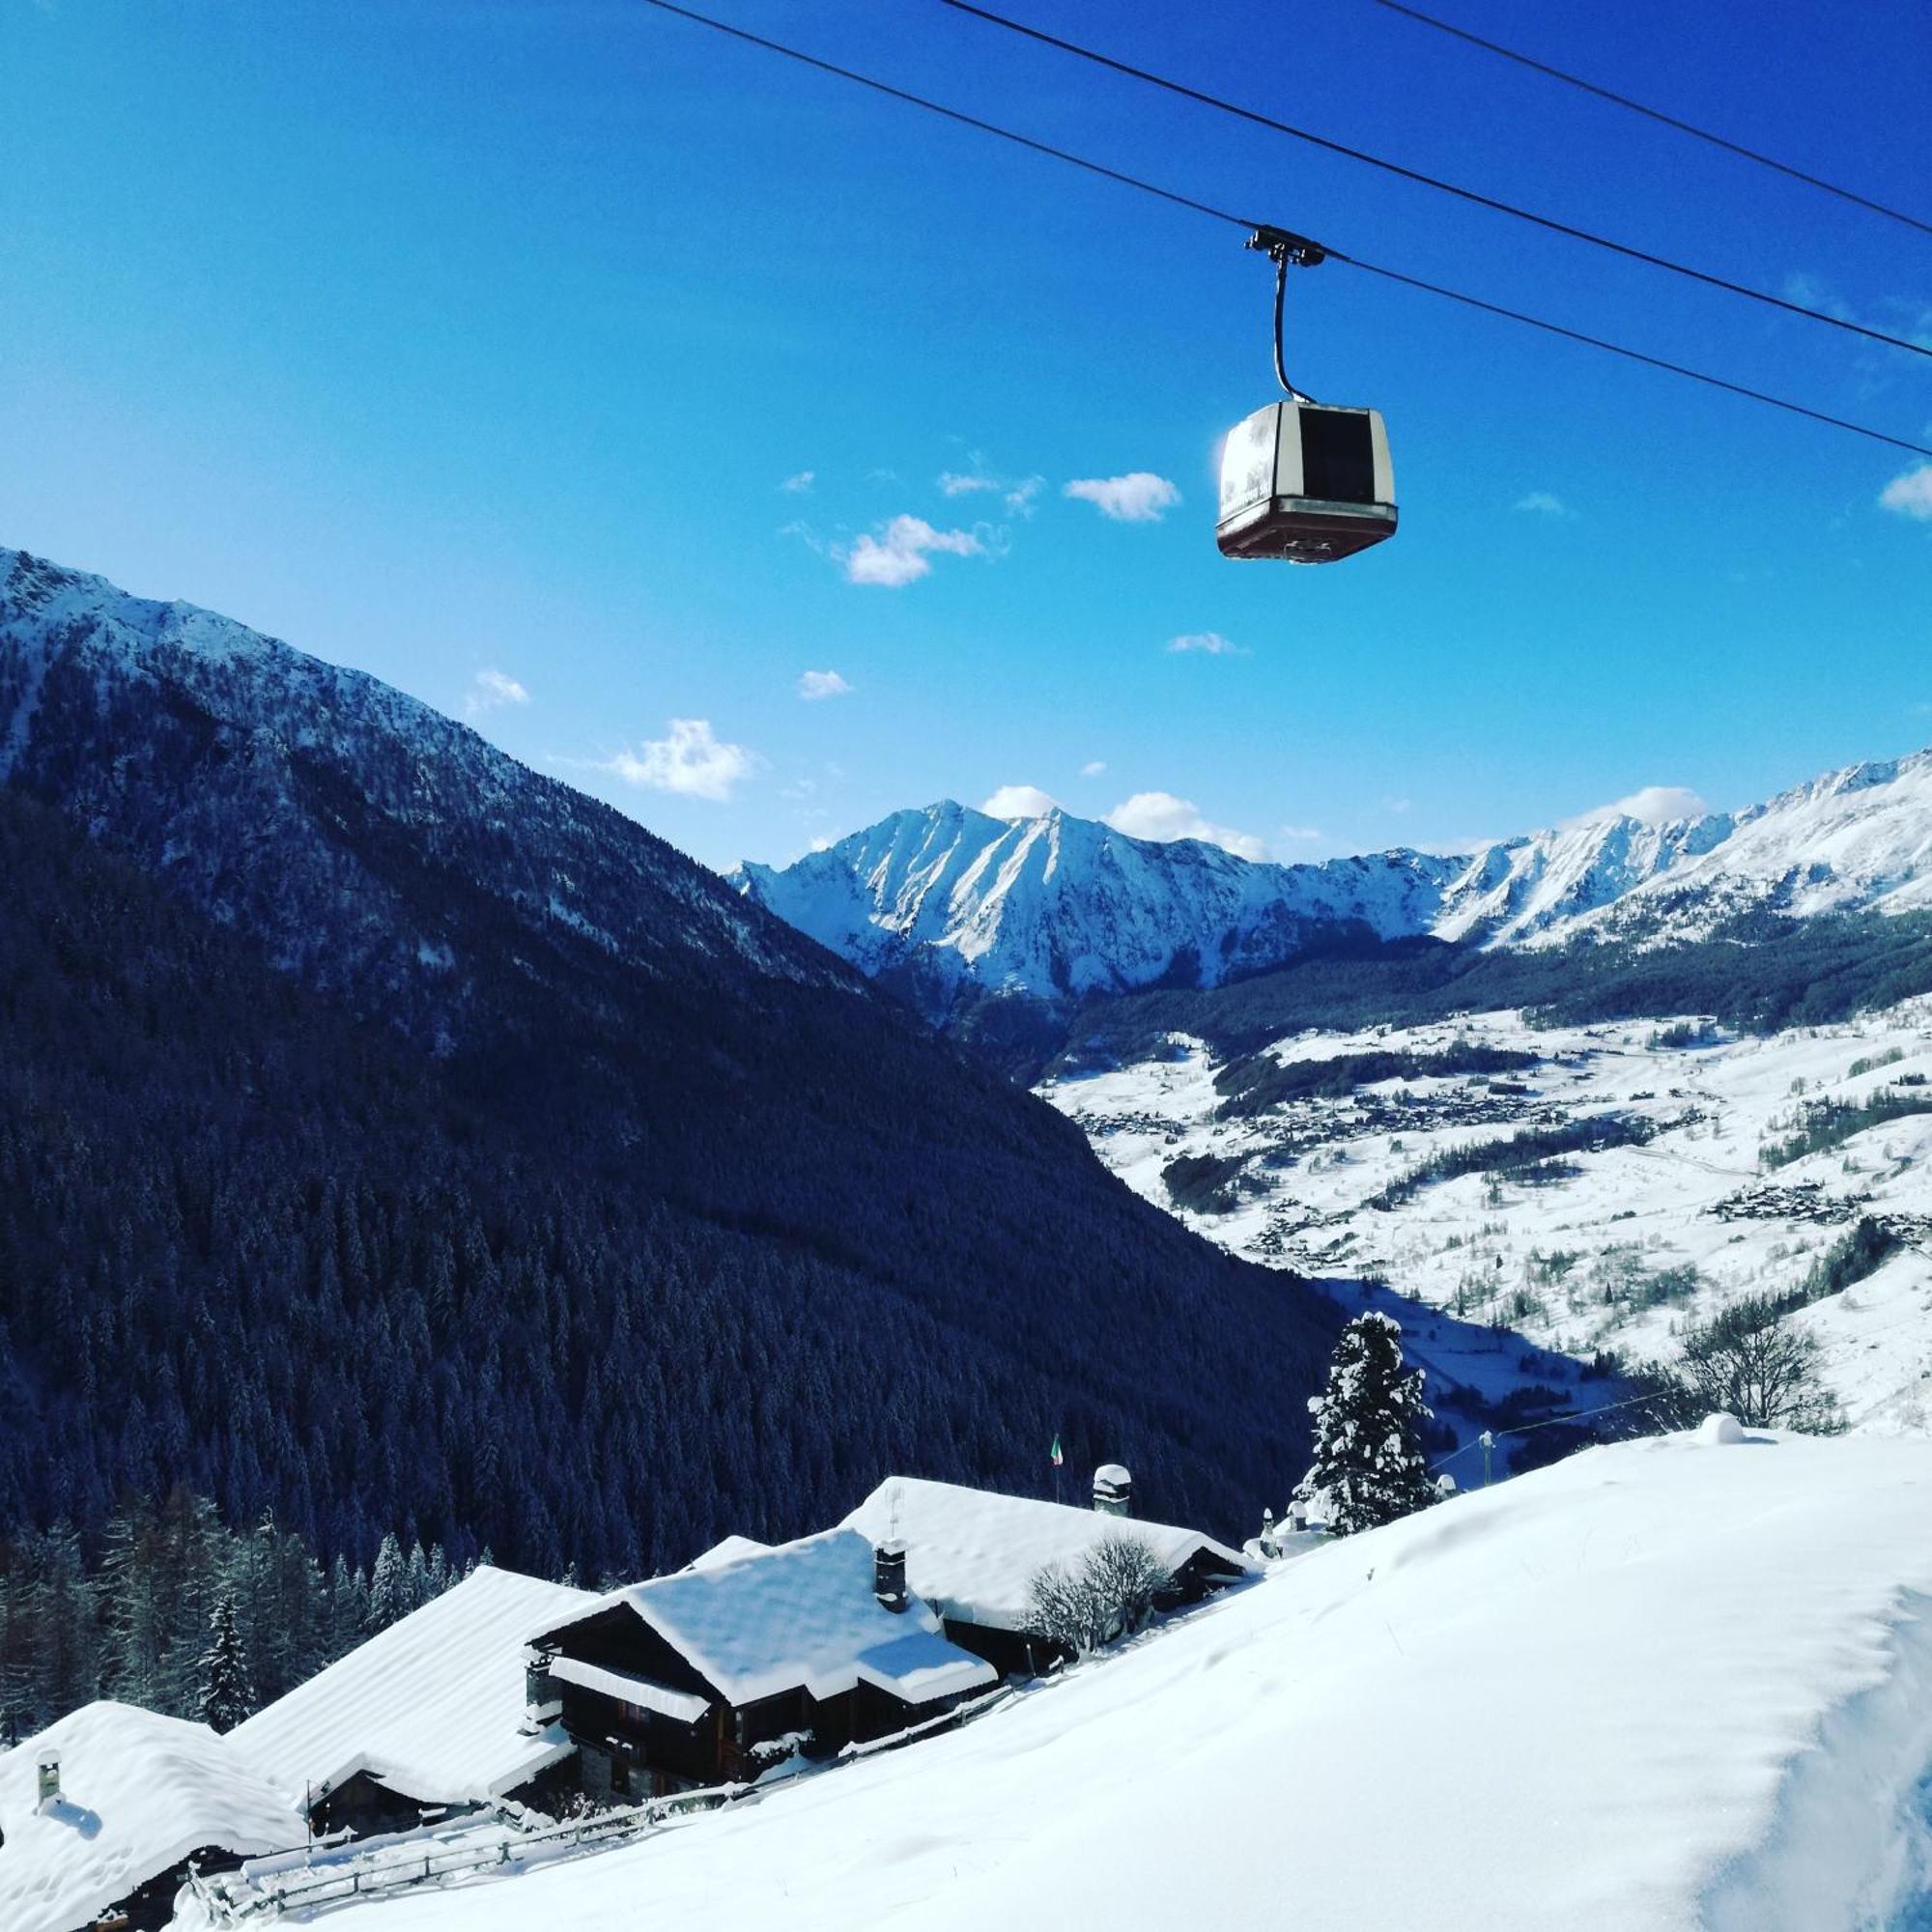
1673,1684
949,901
1697,1194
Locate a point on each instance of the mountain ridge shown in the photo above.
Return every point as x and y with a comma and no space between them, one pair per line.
1053,909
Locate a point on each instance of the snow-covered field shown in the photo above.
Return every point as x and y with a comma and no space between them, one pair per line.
1613,1249
1663,1685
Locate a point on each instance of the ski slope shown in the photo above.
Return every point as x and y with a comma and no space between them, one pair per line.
1593,1256
1669,1684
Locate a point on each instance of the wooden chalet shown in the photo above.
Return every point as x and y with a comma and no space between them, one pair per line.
716,1674
972,1555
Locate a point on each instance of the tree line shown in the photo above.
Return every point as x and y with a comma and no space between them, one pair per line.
173,1611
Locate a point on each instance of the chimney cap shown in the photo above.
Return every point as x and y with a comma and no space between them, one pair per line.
1111,1476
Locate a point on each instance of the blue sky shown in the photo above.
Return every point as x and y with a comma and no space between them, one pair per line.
476,345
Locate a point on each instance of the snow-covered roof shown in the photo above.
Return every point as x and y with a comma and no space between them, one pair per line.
631,1688
800,1614
139,1792
974,1553
433,1705
727,1549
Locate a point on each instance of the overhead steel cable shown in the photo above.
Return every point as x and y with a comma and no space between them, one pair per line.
1197,207
1655,114
1547,222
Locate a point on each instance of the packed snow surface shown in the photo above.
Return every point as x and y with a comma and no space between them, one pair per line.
1611,1249
1662,1686
800,1614
138,1794
433,1705
975,1552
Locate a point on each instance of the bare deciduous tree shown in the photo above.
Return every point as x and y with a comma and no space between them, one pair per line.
1749,1362
1115,1589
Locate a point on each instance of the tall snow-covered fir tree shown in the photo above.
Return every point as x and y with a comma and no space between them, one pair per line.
1369,1464
221,1671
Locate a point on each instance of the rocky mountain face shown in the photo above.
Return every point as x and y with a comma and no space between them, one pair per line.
396,1138
954,908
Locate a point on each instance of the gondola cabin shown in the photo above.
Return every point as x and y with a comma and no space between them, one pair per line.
1306,482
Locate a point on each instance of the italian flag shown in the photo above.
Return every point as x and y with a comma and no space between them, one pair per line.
1055,1455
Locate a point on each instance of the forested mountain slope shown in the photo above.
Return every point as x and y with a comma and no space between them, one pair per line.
396,1138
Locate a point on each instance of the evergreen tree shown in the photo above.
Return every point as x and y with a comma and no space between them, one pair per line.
225,1695
389,1586
348,1608
1369,1464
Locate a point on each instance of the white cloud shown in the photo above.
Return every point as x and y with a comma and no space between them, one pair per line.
1019,802
1210,643
1299,835
821,843
692,760
490,691
901,553
1654,804
1017,495
1160,816
1910,494
1139,497
1398,806
1092,768
817,685
1541,503
798,485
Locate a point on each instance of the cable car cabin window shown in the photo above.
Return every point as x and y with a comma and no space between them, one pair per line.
1338,456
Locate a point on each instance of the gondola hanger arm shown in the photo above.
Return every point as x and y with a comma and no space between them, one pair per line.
1285,249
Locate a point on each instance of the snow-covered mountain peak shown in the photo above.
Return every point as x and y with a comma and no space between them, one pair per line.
955,902
1056,906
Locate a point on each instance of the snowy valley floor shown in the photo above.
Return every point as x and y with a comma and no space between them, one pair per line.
1668,1683
1610,1249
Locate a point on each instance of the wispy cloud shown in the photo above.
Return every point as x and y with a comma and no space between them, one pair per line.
815,686
1017,493
1139,497
491,691
1905,316
690,760
1299,835
1398,806
1542,503
799,484
1209,644
901,553
1019,802
1910,493
1161,816
1092,768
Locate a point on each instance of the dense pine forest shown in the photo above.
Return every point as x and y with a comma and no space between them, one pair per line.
251,1245
170,1610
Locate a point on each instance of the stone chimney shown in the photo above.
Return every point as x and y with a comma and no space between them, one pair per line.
888,1576
543,1699
1113,1490
48,1770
